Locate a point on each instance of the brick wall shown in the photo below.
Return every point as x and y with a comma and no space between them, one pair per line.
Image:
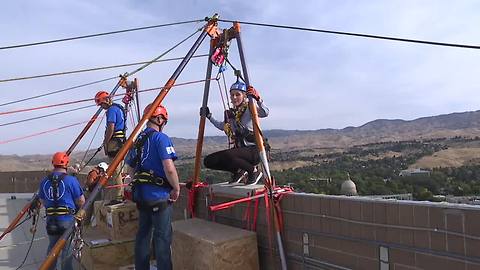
337,232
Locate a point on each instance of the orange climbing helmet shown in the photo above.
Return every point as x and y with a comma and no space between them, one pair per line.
160,110
101,97
60,159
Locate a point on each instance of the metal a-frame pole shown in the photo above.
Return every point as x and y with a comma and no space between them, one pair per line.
137,98
52,256
201,125
269,183
34,201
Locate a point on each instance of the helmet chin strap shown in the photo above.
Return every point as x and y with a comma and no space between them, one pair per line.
155,122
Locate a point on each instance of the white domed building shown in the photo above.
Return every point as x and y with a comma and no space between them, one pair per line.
348,187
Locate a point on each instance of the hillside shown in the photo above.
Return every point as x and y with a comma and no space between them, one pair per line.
466,124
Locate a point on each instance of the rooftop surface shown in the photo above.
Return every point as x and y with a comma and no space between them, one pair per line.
14,246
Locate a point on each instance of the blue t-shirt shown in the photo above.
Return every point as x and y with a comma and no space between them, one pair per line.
69,190
157,147
115,115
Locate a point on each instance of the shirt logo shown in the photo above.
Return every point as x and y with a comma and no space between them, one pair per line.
48,190
170,150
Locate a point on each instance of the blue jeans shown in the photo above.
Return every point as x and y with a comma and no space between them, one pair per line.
162,238
66,258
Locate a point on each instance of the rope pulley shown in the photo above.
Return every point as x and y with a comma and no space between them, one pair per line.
221,45
130,88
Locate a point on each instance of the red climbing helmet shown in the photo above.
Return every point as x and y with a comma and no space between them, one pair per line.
160,110
60,159
101,97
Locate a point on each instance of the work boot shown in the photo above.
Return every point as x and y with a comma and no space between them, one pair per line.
238,177
254,178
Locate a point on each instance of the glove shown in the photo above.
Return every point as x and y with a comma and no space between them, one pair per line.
229,114
252,92
205,111
80,215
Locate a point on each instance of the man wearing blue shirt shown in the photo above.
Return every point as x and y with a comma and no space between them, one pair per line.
61,195
114,138
155,188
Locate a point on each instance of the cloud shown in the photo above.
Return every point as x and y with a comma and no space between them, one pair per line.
336,80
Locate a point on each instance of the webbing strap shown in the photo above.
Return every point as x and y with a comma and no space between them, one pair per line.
149,178
119,134
59,211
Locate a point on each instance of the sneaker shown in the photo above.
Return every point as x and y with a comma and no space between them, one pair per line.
114,202
254,178
238,177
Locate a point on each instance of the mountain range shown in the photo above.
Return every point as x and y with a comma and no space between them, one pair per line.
465,124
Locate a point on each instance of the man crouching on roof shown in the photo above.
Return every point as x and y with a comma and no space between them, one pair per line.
155,188
62,196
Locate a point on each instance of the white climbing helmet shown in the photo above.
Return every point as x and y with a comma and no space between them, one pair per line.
103,165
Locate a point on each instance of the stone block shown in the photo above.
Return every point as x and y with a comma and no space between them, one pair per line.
101,253
200,244
119,221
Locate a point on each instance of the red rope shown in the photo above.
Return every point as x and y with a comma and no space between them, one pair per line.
46,106
255,215
41,133
191,196
92,99
246,215
116,186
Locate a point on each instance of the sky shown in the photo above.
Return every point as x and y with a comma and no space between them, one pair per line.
308,80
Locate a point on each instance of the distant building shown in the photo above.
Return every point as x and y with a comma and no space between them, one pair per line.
324,180
348,187
414,172
475,200
402,197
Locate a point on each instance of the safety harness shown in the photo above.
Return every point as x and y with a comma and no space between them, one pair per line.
121,133
119,137
53,227
239,135
143,176
57,210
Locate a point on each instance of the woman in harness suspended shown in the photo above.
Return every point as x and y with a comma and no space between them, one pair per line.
62,196
242,159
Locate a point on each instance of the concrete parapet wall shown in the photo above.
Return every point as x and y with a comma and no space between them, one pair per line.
21,182
25,182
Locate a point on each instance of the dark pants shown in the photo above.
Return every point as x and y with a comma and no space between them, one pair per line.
231,160
160,222
66,258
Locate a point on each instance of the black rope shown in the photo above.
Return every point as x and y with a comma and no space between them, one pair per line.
456,45
96,35
91,158
46,115
19,224
93,69
161,55
127,74
89,145
35,217
58,91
